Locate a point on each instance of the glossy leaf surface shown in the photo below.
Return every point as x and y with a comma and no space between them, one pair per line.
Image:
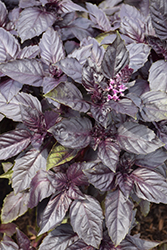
89,226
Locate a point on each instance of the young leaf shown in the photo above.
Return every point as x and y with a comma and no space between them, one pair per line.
149,185
9,46
138,54
60,155
158,76
51,47
69,95
13,142
108,152
100,176
40,187
33,21
25,168
138,139
73,132
29,71
59,239
115,58
118,214
14,206
55,211
76,175
89,225
158,10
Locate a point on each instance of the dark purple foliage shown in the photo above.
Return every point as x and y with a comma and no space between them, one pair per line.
85,90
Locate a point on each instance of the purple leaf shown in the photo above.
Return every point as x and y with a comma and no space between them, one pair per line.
12,109
25,168
124,182
22,240
3,14
160,47
108,152
50,83
89,225
8,244
138,139
72,68
135,243
81,54
132,23
25,4
138,54
140,87
75,193
29,71
51,47
9,46
97,50
73,132
158,10
68,6
152,160
14,206
51,117
9,229
100,176
115,58
98,17
68,94
124,106
118,214
154,106
33,21
158,76
55,211
13,142
80,28
60,155
76,175
81,245
60,238
29,52
149,185
100,113
10,88
40,187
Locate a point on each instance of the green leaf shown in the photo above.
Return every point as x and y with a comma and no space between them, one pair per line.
60,155
7,175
